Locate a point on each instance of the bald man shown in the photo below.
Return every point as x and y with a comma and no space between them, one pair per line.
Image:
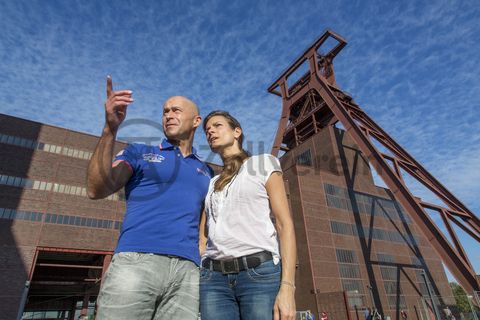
154,271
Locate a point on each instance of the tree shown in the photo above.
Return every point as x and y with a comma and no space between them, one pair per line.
460,297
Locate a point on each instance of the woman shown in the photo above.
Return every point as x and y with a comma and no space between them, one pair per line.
241,276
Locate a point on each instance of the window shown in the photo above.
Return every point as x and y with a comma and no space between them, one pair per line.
349,271
384,257
356,300
388,273
341,228
20,215
305,158
417,261
346,256
391,287
396,302
352,285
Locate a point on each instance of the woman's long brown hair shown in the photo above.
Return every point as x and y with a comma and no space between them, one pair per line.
232,164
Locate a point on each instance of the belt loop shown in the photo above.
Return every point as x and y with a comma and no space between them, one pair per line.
210,264
245,263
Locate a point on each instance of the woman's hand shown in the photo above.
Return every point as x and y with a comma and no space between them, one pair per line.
284,308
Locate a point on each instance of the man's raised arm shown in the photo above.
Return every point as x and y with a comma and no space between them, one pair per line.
103,177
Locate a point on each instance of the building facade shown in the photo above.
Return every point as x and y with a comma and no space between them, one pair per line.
357,247
55,241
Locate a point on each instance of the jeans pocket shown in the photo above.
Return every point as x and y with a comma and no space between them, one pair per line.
130,257
266,271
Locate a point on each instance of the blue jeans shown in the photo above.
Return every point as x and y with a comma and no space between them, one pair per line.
247,295
144,286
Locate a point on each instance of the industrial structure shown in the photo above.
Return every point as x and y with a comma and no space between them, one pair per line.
377,247
359,245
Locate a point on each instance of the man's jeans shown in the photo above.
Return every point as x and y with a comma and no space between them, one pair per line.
149,286
247,295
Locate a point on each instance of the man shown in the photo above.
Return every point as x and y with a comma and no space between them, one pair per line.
154,272
367,312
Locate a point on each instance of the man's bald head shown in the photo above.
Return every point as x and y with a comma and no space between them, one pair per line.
183,101
180,119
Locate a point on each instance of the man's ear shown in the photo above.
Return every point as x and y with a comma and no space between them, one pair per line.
197,121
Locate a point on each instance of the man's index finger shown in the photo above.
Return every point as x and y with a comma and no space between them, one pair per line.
109,85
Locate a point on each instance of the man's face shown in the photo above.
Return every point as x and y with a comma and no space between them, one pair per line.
180,118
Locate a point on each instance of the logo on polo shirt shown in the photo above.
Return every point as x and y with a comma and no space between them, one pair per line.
153,157
203,172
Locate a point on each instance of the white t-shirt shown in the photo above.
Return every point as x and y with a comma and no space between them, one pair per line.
238,217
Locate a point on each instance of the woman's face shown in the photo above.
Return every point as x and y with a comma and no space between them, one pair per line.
220,134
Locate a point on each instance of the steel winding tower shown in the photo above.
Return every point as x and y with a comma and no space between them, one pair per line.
315,101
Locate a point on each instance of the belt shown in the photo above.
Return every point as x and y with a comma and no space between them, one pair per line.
237,264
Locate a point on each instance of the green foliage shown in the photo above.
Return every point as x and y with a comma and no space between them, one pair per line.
460,297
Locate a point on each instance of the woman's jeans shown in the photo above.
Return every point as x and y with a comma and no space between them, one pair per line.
247,295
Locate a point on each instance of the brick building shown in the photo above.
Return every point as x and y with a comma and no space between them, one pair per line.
357,246
51,233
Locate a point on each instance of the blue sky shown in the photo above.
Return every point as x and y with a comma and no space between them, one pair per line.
413,66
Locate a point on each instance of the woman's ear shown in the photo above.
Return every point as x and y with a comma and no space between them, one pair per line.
237,132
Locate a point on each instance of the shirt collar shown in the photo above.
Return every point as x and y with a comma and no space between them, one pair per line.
166,145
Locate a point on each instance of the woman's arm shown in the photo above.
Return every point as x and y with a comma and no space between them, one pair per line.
202,233
285,303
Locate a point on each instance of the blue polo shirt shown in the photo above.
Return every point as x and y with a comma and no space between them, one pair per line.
165,197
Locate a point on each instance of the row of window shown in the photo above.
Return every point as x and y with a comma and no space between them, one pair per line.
12,214
339,198
421,285
351,277
50,186
374,233
47,147
353,285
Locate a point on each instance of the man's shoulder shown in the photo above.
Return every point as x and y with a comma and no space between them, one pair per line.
141,148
